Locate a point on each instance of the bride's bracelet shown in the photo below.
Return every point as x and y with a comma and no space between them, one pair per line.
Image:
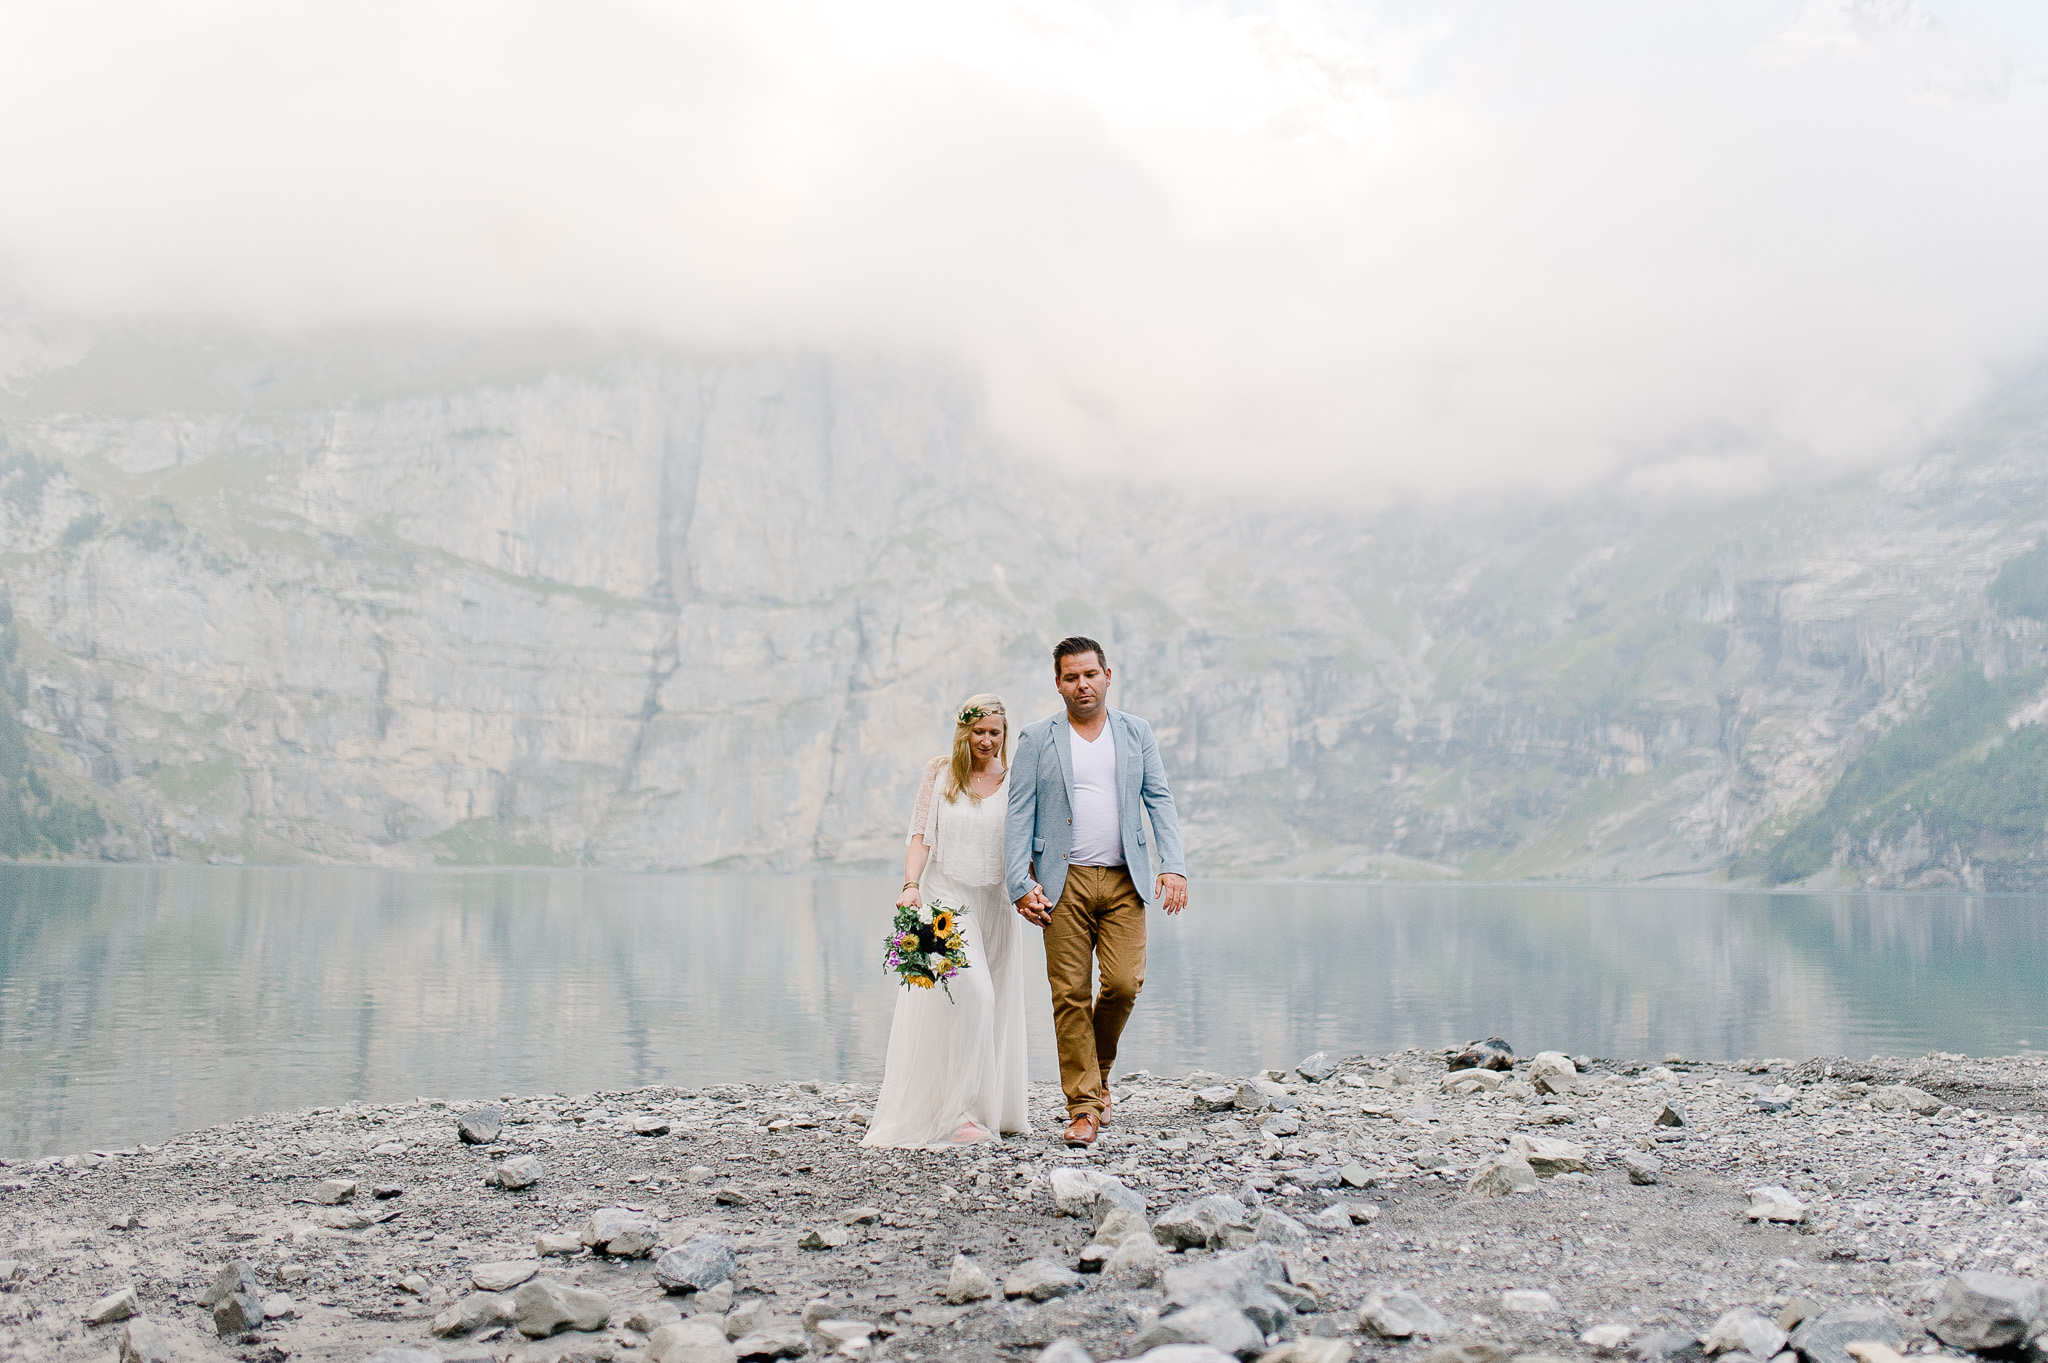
909,884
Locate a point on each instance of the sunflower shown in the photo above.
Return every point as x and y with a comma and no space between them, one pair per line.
942,924
921,981
908,941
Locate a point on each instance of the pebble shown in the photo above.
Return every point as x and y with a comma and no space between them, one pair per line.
1642,1168
776,1338
689,1341
1528,1300
1671,1114
620,1233
647,1124
472,1312
1212,1222
837,1334
1217,1324
824,1237
1548,1156
1744,1330
1502,1175
1825,1338
1316,1068
553,1244
1773,1203
1401,1315
1606,1338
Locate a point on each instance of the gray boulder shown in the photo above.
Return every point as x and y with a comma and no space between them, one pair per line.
690,1341
1642,1167
1042,1280
543,1307
1401,1315
521,1171
1217,1324
620,1233
1212,1222
1316,1068
1277,1228
1826,1338
1502,1175
696,1264
480,1127
119,1304
1135,1264
1894,1097
1243,1279
1979,1311
968,1282
144,1341
1743,1330
474,1312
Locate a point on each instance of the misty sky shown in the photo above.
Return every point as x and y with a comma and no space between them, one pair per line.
1447,247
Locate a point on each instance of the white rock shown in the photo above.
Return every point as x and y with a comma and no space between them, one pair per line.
1606,1338
1528,1300
1042,1280
1549,1157
119,1304
697,1340
1502,1175
1773,1203
504,1275
839,1333
1400,1315
968,1282
620,1233
332,1192
1745,1331
1074,1190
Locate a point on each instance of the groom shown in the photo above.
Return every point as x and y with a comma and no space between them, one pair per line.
1077,782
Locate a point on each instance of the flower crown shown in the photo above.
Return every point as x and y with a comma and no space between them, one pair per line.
974,712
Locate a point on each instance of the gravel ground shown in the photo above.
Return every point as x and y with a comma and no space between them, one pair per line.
1893,1174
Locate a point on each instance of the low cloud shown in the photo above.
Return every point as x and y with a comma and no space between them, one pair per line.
1381,249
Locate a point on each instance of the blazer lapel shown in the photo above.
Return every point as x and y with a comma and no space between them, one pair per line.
1061,737
1129,773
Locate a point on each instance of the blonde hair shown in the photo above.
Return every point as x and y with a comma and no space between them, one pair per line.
974,711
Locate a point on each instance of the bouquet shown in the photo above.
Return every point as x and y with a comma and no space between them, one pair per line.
926,951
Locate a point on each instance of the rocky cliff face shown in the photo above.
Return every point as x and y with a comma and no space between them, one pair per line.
626,608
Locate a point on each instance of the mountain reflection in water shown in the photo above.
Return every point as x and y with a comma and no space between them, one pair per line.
136,1001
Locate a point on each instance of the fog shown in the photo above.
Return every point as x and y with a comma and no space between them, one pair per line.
1457,250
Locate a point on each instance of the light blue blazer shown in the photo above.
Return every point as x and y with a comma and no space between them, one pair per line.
1039,830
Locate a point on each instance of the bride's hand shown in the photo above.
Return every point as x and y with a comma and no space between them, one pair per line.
910,899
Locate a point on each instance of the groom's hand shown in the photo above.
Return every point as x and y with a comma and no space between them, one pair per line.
1034,907
1173,892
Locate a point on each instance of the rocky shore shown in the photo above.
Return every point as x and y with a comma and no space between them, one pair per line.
1357,1207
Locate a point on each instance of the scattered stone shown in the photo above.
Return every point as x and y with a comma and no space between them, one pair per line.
1042,1280
1401,1315
557,1244
1316,1068
1212,1222
479,1127
415,1284
1744,1330
1529,1301
1979,1311
1064,1351
824,1237
1671,1114
1121,1224
119,1304
1260,1094
968,1282
1218,1099
236,1276
384,1192
689,1341
1894,1097
837,1334
144,1341
1470,1081
1490,1054
778,1337
1356,1176
1478,1352
1825,1339
1869,1351
620,1234
472,1312
521,1171
502,1276
332,1192
1796,1310
237,1313
1277,1228
1245,1280
1136,1264
1549,1157
342,1218
652,1315
746,1318
1311,1350
712,1301
647,1124
1551,1063
543,1307
1281,1124
1217,1324
1773,1203
1642,1167
1502,1175
696,1264
860,1216
399,1353
279,1306
1606,1338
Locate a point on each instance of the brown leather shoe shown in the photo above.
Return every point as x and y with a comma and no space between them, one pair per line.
1107,1103
1083,1129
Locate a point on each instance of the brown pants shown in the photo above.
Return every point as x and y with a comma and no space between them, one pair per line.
1100,916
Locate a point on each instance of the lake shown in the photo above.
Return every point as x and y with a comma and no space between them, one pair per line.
136,1001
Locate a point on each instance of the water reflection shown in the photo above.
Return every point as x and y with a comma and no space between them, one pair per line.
135,1001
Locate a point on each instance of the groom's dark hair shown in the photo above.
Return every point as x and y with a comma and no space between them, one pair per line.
1078,643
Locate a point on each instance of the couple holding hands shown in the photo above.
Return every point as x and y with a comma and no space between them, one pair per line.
1054,836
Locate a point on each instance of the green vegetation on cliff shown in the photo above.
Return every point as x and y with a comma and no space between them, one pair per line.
2021,587
33,822
1953,768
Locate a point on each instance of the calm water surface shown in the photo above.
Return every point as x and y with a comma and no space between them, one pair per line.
139,1001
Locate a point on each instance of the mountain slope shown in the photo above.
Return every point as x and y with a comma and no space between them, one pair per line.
557,601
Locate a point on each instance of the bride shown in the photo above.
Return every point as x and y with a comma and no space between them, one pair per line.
956,1070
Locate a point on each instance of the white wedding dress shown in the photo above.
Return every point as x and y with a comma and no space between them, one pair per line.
958,1060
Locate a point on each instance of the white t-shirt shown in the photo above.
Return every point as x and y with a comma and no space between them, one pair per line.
1098,833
